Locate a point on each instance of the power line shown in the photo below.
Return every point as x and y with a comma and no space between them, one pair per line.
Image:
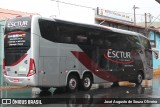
153,20
58,1
72,4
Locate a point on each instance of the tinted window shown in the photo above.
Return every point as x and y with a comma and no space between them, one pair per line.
12,55
17,39
73,34
48,30
64,32
120,41
18,32
145,42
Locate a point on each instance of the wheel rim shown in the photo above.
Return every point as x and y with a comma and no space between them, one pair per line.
139,78
87,82
72,83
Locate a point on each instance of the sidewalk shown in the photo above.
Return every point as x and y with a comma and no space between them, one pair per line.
13,87
156,72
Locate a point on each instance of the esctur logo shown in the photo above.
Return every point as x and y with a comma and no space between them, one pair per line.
120,57
18,24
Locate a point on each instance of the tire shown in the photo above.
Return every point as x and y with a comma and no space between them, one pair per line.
44,88
86,82
139,78
115,84
72,83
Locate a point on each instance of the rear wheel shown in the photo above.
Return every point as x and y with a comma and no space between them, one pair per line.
115,84
72,83
139,78
86,82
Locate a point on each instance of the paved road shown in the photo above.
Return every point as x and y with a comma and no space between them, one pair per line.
95,97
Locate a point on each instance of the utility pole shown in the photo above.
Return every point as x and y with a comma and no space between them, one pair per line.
147,20
134,10
58,6
146,30
145,15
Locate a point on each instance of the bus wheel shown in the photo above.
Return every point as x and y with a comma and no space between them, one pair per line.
72,83
139,78
115,84
86,82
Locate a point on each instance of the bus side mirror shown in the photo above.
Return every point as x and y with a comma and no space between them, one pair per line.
155,52
156,55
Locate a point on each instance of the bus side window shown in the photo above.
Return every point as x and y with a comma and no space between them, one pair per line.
107,43
98,42
67,39
48,30
65,33
145,42
134,42
81,39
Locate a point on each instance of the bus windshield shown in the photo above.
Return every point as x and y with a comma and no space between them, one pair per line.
16,39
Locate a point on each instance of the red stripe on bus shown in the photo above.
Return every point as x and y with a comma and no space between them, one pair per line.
94,68
17,62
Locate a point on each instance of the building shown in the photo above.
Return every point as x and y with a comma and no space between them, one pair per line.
4,15
2,22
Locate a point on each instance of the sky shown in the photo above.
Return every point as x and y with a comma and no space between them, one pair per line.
53,8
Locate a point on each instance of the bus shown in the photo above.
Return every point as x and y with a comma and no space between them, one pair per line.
44,52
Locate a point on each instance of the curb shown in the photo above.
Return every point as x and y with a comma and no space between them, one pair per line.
156,72
13,87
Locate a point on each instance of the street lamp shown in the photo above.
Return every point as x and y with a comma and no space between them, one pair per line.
134,9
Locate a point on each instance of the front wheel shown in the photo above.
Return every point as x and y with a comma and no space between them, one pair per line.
86,82
139,78
72,83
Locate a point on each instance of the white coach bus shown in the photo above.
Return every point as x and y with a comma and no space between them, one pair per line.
46,53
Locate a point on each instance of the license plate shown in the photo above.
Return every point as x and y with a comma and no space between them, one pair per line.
15,80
